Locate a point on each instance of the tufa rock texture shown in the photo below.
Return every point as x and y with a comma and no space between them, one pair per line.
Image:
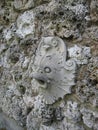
27,29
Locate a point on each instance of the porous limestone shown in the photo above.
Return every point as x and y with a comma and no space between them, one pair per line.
31,31
25,24
79,54
23,4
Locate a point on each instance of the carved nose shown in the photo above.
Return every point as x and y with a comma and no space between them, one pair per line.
46,47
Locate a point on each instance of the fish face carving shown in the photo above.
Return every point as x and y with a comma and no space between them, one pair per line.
52,72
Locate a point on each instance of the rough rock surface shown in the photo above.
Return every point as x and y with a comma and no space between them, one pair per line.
22,25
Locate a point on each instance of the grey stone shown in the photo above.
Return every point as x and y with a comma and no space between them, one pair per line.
23,23
80,54
52,71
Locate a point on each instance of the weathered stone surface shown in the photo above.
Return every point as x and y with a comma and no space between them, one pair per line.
80,54
23,23
90,118
7,123
23,4
94,10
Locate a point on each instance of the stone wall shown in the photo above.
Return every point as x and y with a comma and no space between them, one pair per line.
23,23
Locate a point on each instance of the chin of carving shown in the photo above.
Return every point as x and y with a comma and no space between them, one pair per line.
53,74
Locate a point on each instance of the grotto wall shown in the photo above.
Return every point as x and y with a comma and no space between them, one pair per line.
49,64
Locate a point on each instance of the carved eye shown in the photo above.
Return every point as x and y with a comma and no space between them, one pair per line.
47,69
54,43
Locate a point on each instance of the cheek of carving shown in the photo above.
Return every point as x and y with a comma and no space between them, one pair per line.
57,74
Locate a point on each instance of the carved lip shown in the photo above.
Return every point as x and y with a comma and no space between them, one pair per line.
41,80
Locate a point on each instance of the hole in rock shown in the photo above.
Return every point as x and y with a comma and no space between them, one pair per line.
41,82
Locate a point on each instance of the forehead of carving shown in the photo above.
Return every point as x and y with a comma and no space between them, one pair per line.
51,61
47,40
53,45
52,41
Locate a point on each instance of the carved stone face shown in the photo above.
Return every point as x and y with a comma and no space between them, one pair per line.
51,71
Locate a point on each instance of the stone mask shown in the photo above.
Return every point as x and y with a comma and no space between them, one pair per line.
53,74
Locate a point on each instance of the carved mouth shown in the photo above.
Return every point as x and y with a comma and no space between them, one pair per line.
42,83
41,80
